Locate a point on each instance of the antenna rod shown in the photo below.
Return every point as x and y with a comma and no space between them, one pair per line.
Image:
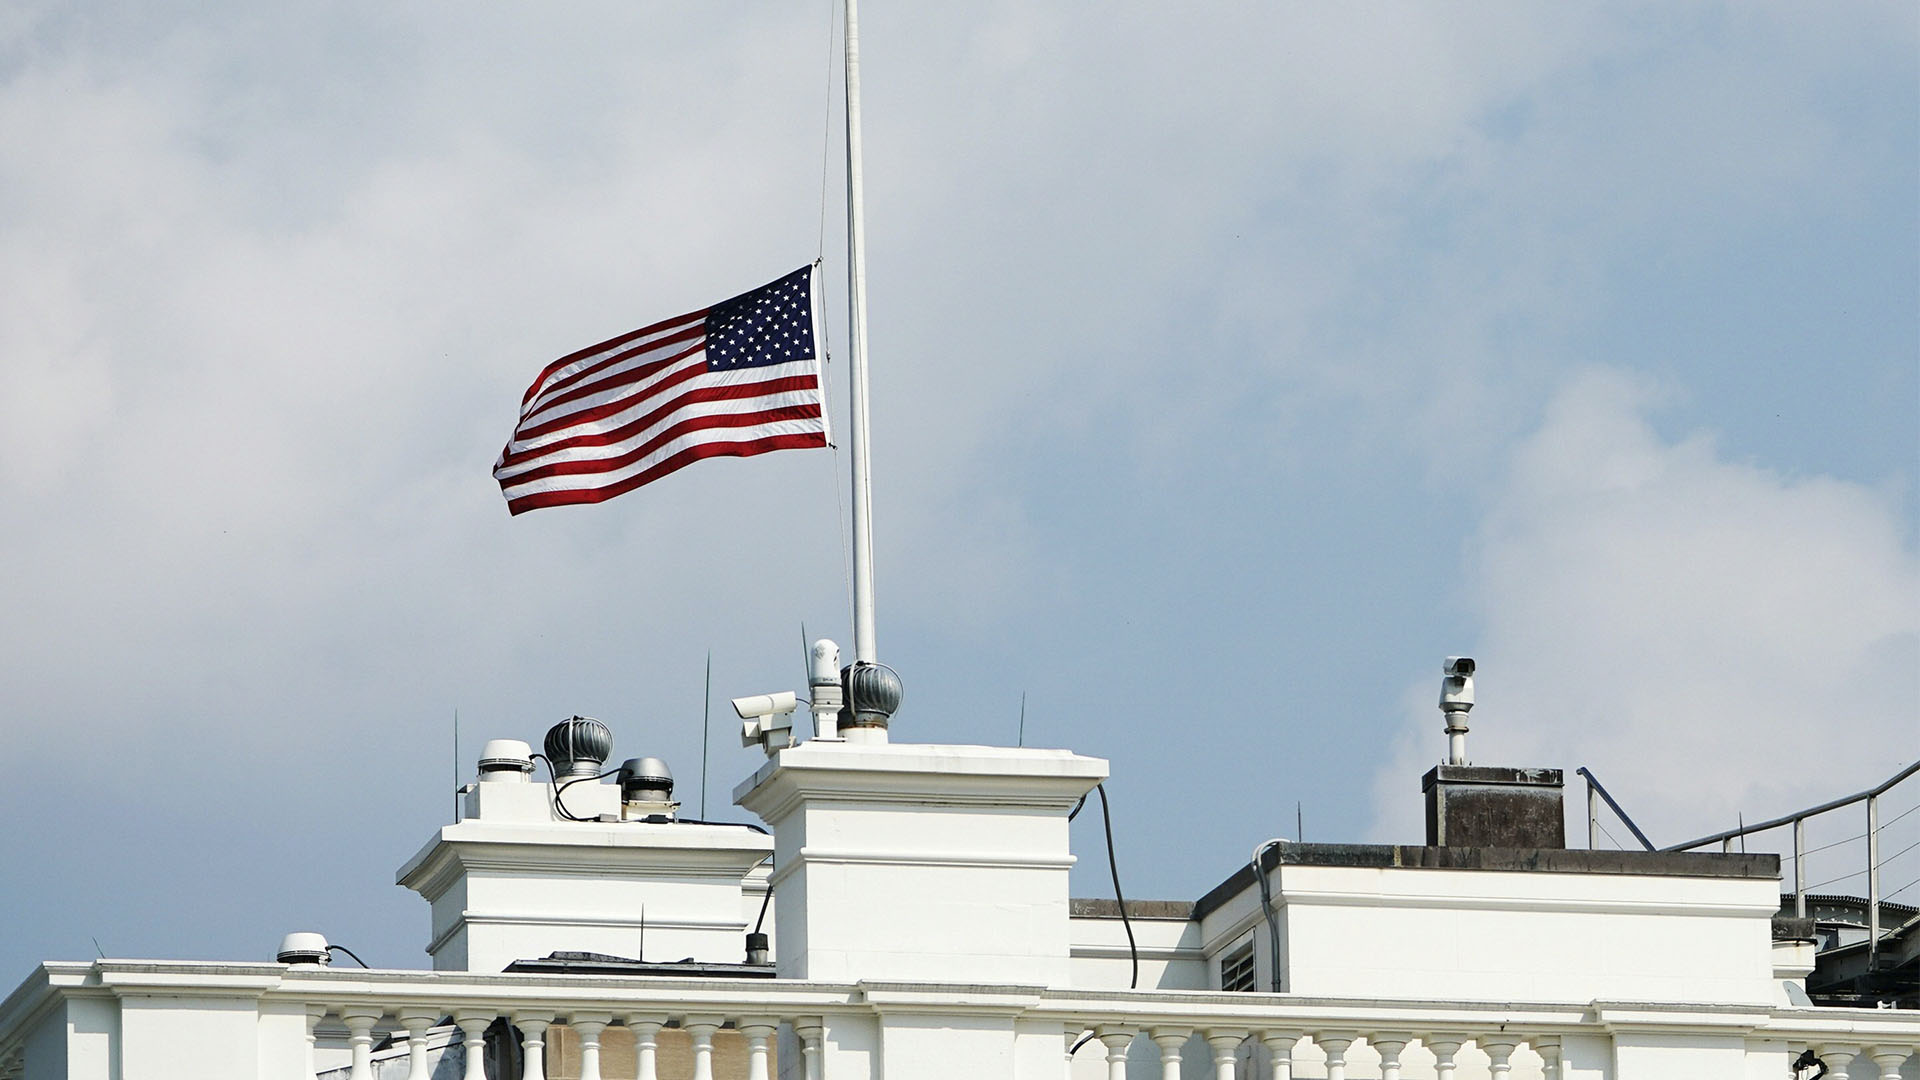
864,648
456,765
706,728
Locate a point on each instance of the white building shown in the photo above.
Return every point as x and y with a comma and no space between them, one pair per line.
921,929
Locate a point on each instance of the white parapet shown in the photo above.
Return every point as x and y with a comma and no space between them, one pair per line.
175,1020
517,883
906,862
1491,924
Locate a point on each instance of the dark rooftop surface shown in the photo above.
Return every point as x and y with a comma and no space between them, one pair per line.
1530,860
1101,908
591,963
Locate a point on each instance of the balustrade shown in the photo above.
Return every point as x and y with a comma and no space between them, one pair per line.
361,1026
588,1033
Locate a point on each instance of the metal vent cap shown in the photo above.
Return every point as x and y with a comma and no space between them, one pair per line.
578,746
646,774
874,693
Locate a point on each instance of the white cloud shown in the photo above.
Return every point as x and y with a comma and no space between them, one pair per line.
1709,636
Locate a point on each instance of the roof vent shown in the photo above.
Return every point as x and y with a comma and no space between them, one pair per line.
578,746
873,693
508,760
304,948
646,790
645,778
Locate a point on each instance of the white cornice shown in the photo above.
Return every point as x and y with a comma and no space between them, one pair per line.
898,774
444,861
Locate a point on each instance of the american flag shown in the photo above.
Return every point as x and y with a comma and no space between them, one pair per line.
736,379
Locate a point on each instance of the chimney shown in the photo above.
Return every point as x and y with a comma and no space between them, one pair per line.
1494,806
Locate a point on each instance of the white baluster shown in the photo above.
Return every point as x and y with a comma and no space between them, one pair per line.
646,1044
473,1026
315,1014
1280,1046
1389,1047
533,1044
1500,1049
1171,1041
702,1029
759,1035
1444,1048
1336,1048
1116,1040
1225,1045
360,1020
417,1021
1837,1059
812,1037
589,1025
1548,1048
1889,1058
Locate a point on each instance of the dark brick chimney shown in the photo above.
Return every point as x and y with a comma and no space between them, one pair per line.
1490,806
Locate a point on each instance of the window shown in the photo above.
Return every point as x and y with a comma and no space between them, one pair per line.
1236,969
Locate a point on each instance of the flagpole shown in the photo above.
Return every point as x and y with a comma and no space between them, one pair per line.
864,648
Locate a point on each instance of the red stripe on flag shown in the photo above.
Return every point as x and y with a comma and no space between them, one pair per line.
614,342
691,454
607,385
696,333
590,466
634,427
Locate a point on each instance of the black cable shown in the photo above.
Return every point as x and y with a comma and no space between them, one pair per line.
349,952
553,785
767,899
735,824
1113,867
1133,949
560,807
560,789
1807,1059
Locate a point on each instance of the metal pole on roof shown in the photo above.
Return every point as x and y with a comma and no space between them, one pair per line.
1873,880
1800,868
864,648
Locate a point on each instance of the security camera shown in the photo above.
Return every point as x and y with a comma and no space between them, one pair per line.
1456,699
1456,689
759,705
767,720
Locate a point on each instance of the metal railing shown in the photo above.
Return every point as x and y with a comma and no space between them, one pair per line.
1798,820
1593,812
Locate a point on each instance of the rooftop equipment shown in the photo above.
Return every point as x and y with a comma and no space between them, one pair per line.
1456,700
304,948
646,790
823,685
767,720
578,747
873,695
506,761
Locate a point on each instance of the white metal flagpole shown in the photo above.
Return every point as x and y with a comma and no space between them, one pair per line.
864,649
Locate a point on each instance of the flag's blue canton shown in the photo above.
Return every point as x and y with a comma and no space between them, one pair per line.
770,325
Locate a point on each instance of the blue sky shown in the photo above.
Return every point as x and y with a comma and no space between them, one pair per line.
1230,370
